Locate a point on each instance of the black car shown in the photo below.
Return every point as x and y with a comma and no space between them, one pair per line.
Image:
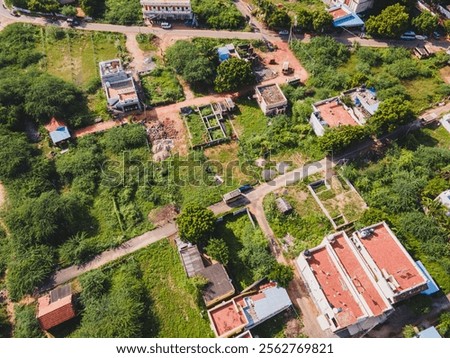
73,22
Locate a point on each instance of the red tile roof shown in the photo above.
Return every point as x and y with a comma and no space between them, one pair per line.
358,275
335,115
55,313
334,287
54,124
389,255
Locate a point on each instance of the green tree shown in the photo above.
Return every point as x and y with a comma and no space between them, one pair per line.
435,186
408,331
337,139
425,23
69,11
180,54
391,22
322,20
93,8
199,72
446,24
278,19
233,74
123,12
27,325
444,324
304,19
43,5
218,250
29,270
14,154
391,113
195,224
282,274
50,96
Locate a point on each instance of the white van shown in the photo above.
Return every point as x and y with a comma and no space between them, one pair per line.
166,25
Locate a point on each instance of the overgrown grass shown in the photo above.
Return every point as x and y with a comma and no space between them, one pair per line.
171,297
250,120
440,134
74,55
197,129
234,230
161,87
146,42
306,223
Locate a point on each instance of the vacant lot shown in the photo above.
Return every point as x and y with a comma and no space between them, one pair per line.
162,87
305,226
74,55
170,298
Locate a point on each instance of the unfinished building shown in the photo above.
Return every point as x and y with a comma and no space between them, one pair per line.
271,99
120,90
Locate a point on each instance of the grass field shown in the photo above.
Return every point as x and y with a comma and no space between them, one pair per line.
440,134
74,55
250,120
162,87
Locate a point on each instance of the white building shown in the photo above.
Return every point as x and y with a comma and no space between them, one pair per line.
271,99
354,5
119,86
167,9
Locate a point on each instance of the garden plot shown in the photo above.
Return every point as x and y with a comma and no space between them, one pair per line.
207,124
338,199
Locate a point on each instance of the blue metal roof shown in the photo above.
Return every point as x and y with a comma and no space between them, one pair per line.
432,286
430,332
350,20
60,134
276,300
224,53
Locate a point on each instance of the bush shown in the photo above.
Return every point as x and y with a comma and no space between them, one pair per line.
218,250
27,325
195,224
218,14
123,138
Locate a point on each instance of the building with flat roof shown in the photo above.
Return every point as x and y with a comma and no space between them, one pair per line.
354,5
248,310
119,87
167,9
354,281
271,99
343,16
55,307
360,104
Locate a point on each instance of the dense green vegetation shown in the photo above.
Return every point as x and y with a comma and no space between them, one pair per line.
397,188
273,16
5,326
233,74
161,86
218,14
145,295
398,79
195,224
391,22
26,324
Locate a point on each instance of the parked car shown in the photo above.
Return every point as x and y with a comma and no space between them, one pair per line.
421,37
166,25
436,35
407,38
244,188
409,33
73,22
283,33
15,13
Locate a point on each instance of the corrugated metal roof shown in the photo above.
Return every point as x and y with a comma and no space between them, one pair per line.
60,134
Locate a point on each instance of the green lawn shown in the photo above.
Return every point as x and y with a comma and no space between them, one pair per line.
440,134
250,120
74,55
162,87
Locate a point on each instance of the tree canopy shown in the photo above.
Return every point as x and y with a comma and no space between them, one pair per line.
425,23
233,74
195,224
218,14
391,22
218,250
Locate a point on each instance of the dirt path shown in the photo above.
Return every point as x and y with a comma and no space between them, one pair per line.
98,127
136,53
